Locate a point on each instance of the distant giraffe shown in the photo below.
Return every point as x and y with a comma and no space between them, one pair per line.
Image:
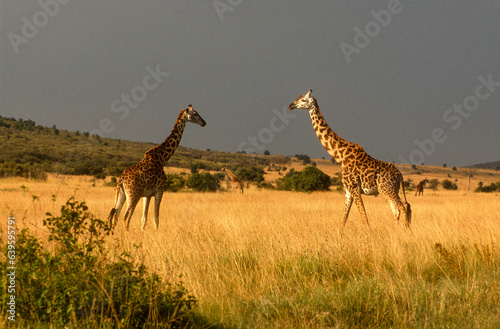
147,178
420,187
361,174
236,183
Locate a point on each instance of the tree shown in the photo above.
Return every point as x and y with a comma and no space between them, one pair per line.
204,182
448,185
250,174
304,157
307,180
174,183
433,184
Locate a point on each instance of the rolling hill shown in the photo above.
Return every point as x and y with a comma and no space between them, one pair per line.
29,150
487,165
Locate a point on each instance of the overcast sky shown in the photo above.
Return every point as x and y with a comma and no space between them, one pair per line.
410,81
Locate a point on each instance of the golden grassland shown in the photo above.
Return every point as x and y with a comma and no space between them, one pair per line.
279,259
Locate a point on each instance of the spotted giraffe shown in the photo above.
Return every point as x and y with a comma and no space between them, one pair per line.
147,178
420,187
236,183
361,174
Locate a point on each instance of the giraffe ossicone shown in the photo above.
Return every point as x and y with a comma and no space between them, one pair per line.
361,174
147,178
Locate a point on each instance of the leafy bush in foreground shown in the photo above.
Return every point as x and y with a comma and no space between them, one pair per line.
77,284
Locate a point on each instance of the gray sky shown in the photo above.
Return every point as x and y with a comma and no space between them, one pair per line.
411,81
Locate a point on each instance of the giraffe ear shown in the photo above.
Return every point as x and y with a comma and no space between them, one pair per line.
309,93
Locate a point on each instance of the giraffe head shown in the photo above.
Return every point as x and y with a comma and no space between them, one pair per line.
193,116
304,102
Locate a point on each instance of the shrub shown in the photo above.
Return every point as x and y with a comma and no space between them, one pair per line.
337,179
204,182
304,157
174,183
250,174
307,180
493,187
448,185
76,283
433,184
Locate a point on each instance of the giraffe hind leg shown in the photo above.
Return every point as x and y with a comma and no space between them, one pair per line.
130,211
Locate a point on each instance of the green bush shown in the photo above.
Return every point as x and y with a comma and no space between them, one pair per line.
76,283
493,187
449,185
433,184
174,183
250,174
203,182
307,180
337,179
304,157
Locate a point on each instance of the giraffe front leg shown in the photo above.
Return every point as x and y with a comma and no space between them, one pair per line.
347,207
401,208
118,208
145,211
158,198
360,205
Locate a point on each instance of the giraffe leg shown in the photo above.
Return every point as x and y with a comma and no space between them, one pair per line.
158,198
361,206
347,207
130,210
401,208
145,211
395,209
113,220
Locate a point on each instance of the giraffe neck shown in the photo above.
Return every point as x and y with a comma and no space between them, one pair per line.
162,153
231,175
332,142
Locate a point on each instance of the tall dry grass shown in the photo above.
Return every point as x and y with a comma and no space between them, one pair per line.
279,259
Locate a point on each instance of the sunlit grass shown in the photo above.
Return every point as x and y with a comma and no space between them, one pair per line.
279,259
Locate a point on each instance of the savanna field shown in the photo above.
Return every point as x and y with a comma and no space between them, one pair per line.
277,259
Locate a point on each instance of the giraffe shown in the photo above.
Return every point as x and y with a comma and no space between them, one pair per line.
236,183
361,174
147,178
420,187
